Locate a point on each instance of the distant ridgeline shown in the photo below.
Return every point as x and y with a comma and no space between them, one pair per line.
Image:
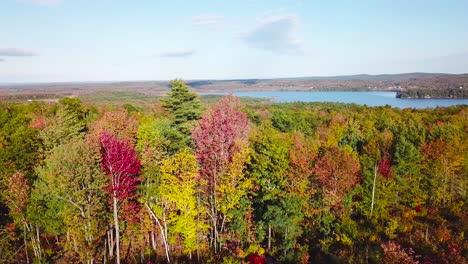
434,93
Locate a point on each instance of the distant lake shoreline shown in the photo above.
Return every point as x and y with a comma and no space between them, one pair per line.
369,98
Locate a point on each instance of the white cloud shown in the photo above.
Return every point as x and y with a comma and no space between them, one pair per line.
2,60
177,54
276,33
206,20
16,52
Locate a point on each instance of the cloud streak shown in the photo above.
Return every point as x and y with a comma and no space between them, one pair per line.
207,20
275,33
177,54
16,52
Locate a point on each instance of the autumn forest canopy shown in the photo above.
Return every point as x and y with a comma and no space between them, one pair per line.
226,181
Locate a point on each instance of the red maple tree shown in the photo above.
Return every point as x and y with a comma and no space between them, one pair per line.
217,138
255,258
216,135
385,168
120,163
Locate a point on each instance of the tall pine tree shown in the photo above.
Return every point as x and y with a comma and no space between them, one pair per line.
184,105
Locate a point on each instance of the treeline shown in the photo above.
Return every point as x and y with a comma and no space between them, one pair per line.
30,96
188,182
433,93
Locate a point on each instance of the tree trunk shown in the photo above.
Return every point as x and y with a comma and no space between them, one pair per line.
221,230
75,246
215,234
153,240
116,227
163,234
269,237
110,241
285,239
38,241
128,249
444,189
198,227
373,190
427,234
367,254
105,250
25,243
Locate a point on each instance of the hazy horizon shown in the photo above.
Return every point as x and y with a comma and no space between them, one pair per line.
46,41
230,79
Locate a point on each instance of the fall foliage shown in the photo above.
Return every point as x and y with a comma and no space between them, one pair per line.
233,183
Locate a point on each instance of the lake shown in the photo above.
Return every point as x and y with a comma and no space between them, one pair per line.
367,98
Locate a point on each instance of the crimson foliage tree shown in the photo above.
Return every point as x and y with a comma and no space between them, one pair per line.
215,137
120,163
385,168
220,135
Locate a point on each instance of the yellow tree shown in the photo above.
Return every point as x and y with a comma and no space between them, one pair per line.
444,161
234,186
179,176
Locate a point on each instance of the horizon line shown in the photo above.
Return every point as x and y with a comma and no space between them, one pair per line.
222,79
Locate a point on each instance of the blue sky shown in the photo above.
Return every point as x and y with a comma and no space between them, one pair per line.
107,40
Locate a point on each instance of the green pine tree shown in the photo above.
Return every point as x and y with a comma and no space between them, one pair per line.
184,105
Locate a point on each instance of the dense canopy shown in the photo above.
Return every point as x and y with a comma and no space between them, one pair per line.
234,183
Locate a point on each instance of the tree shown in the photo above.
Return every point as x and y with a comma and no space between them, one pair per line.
120,123
71,176
443,164
61,127
282,121
337,172
19,153
184,105
269,168
17,198
66,120
120,163
158,139
301,156
19,143
395,254
221,133
408,171
17,195
375,160
352,136
179,176
382,168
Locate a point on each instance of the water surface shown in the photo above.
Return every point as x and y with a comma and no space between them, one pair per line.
363,98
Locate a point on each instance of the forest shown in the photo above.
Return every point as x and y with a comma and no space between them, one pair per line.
228,181
434,93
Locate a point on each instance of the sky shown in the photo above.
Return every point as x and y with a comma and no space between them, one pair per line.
123,40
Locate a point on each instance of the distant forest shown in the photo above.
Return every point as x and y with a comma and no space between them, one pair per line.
180,180
434,93
437,84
